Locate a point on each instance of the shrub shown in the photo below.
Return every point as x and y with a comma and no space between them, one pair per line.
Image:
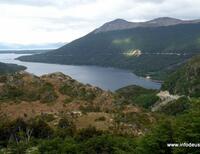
101,119
90,108
87,133
47,93
10,93
66,89
47,117
176,107
108,144
138,95
41,129
65,128
58,145
68,100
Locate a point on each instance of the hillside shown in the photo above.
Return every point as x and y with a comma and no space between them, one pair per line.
162,48
57,95
186,80
10,68
56,114
138,95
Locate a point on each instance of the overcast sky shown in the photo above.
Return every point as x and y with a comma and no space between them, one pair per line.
50,21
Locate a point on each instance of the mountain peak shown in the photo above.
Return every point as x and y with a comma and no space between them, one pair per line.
165,21
117,24
121,24
119,20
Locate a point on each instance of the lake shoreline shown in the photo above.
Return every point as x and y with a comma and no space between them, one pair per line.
107,78
107,67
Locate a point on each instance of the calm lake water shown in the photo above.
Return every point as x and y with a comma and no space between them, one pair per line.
105,78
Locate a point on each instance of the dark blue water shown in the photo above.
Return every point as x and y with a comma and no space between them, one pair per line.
105,78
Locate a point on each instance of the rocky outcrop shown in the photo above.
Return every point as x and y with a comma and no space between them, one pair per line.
165,98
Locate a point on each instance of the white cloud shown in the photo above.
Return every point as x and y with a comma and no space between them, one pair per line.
48,21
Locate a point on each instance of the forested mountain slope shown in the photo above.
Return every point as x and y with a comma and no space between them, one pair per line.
144,50
10,68
186,80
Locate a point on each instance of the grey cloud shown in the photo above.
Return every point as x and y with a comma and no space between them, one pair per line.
52,24
150,1
28,2
61,3
83,19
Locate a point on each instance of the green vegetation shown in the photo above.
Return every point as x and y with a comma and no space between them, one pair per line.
101,119
99,144
20,136
90,108
183,129
107,48
186,80
17,87
79,91
140,121
10,68
176,107
36,136
138,95
68,100
47,93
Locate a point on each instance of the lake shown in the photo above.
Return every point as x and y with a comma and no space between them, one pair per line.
105,78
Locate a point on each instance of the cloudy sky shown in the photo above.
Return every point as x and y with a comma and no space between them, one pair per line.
50,21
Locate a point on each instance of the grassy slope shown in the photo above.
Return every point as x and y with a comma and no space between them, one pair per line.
57,95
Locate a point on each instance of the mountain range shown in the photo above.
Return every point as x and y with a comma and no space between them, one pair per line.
153,48
15,46
121,24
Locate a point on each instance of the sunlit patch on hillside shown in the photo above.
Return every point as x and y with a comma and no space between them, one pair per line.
198,41
125,41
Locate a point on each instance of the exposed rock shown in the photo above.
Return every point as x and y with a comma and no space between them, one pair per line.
134,53
165,97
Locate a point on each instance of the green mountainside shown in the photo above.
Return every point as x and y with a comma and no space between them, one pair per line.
162,49
186,80
10,68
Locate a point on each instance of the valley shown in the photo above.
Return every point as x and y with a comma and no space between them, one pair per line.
124,88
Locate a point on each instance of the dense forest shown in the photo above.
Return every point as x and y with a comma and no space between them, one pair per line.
10,68
186,80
